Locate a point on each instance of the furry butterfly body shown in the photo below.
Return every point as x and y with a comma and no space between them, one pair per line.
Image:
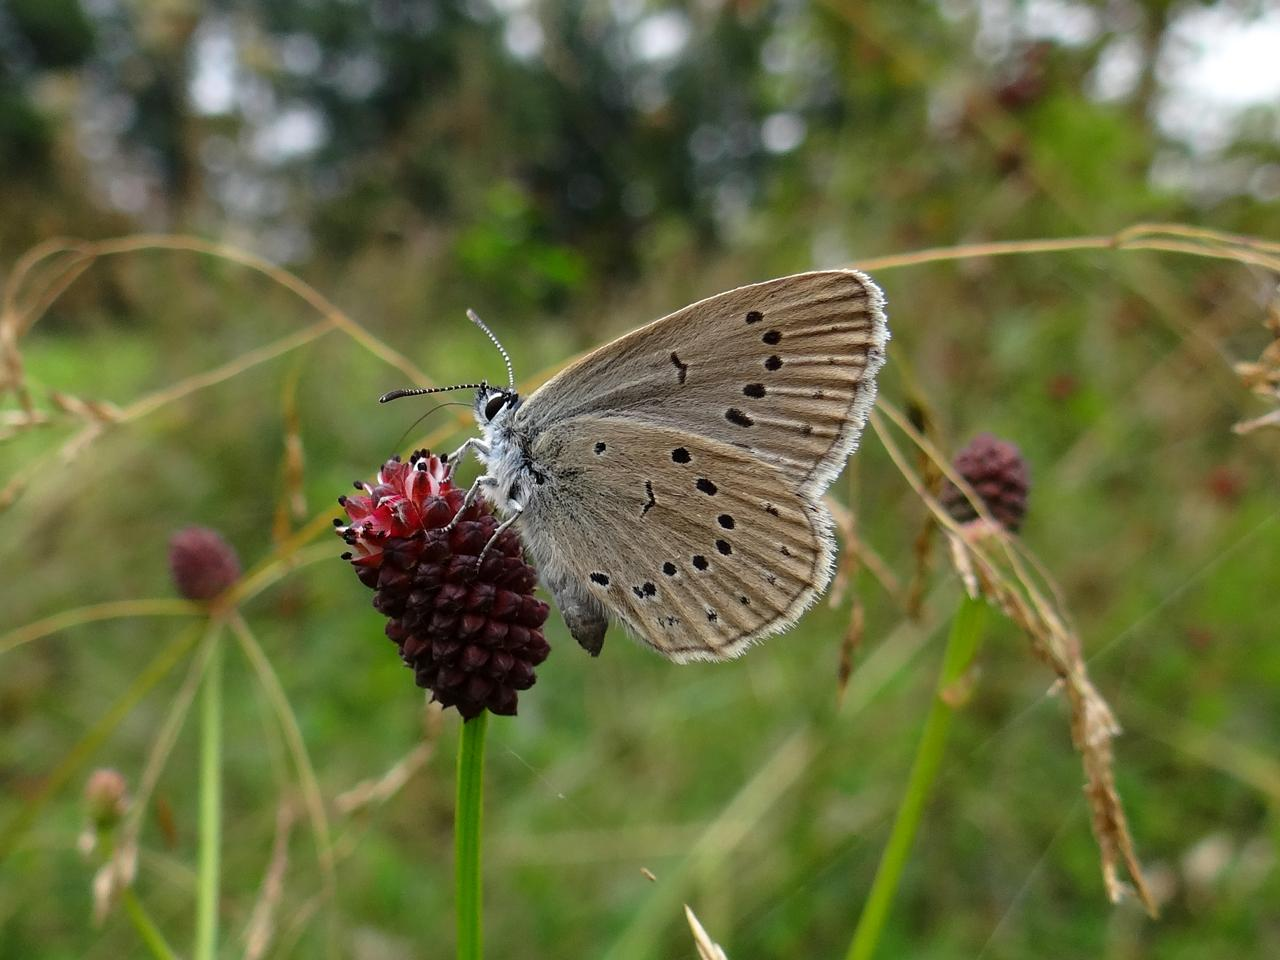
672,480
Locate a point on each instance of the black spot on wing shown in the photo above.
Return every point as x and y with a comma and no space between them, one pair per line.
682,369
600,578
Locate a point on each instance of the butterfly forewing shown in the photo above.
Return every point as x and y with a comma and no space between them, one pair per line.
783,369
693,543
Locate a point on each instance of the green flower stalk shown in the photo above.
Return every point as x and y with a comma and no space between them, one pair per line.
463,617
998,475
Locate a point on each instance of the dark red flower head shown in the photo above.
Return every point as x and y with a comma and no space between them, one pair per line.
998,474
471,631
202,563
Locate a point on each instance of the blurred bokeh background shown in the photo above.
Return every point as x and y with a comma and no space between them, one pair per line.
570,171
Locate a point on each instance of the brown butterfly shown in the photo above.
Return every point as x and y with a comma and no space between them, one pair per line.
672,480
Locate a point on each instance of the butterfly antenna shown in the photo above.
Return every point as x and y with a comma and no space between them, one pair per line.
423,391
506,358
439,406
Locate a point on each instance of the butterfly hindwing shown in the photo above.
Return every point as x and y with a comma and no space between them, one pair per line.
696,545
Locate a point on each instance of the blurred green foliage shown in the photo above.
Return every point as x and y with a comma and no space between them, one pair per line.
572,170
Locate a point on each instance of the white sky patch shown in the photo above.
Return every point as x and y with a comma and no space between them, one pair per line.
782,132
1214,64
1071,24
294,132
1118,69
522,36
212,87
660,36
1004,23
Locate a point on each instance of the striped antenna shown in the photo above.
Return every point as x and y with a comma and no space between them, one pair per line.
511,375
423,391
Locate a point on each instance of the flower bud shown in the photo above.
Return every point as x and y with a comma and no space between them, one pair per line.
202,563
998,475
106,797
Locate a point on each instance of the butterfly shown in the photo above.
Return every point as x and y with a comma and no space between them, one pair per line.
672,480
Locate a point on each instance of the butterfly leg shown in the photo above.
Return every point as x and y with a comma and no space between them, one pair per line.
473,443
473,491
516,509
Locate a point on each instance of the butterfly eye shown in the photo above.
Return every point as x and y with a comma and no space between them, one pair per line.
496,403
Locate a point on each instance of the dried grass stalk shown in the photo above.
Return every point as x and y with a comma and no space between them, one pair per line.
708,949
995,565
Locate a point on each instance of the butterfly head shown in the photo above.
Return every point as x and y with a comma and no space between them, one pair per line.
492,403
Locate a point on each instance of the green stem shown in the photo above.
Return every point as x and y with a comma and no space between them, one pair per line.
146,928
210,806
962,645
467,837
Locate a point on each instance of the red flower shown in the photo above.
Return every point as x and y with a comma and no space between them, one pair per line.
470,630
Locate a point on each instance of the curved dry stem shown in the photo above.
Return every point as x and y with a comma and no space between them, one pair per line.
161,398
974,251
96,613
1161,237
134,243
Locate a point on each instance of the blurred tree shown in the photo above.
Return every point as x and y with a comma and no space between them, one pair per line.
546,144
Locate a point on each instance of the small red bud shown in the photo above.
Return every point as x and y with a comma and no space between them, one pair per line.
202,563
106,798
998,475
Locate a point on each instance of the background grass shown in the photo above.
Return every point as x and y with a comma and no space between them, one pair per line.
747,789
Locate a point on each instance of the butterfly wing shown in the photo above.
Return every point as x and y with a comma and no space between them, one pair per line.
784,369
708,548
686,462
